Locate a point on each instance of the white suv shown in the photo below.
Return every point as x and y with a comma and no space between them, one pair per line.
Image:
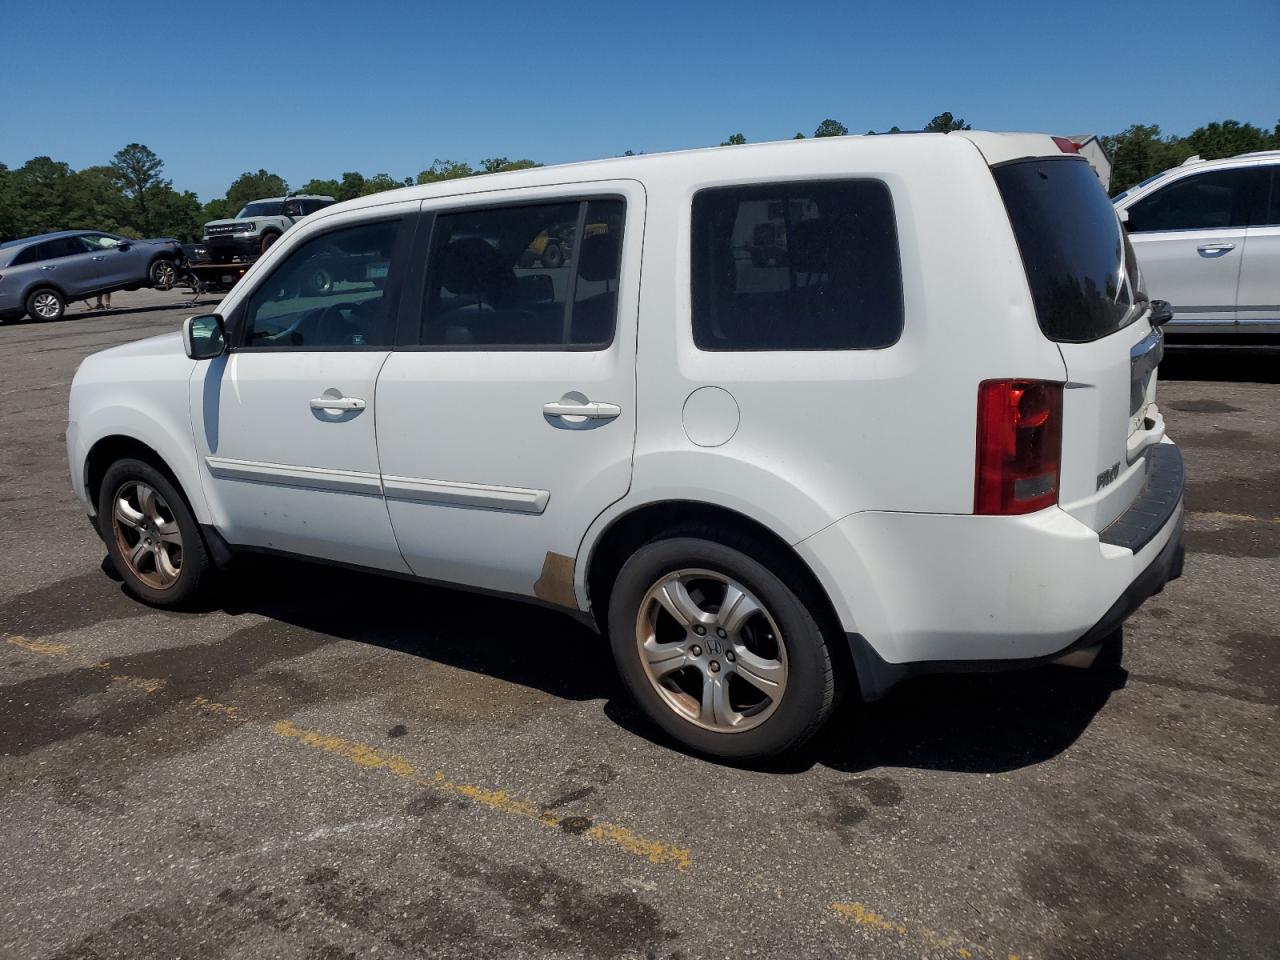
1207,235
790,418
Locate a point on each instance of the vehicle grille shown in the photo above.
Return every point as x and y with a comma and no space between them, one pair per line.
222,229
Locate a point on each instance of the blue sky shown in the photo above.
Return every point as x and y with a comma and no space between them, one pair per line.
318,88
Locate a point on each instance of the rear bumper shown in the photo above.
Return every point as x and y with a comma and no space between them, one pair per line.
930,593
876,676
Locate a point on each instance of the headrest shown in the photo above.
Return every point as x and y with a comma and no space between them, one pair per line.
470,265
598,258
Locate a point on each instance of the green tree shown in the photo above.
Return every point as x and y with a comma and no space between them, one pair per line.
96,202
1226,139
944,123
798,136
445,170
502,165
39,196
351,186
1140,152
831,128
218,208
137,170
255,186
735,140
323,188
175,214
380,182
8,225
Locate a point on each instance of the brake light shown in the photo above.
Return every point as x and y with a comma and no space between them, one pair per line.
1019,456
1066,145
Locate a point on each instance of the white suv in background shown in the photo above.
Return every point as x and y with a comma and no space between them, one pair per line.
916,432
1207,235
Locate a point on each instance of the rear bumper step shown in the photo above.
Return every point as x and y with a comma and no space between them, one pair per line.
1160,496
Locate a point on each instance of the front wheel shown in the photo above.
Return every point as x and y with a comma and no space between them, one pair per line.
163,275
267,240
718,650
151,535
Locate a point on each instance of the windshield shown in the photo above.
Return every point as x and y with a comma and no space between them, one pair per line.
261,208
1081,275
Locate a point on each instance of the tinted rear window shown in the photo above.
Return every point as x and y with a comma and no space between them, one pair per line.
1072,247
796,266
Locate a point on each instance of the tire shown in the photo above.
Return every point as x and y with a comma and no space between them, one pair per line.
46,304
552,255
267,240
184,574
782,640
163,275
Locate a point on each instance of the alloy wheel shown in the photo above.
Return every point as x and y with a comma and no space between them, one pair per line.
46,306
163,275
147,534
711,650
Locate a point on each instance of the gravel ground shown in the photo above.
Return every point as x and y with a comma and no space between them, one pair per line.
330,765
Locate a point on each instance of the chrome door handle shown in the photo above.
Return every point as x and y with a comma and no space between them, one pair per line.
337,403
1212,249
589,411
99,258
49,267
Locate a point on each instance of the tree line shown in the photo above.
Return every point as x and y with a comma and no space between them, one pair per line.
131,196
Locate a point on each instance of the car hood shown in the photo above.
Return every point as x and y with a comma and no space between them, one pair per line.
164,345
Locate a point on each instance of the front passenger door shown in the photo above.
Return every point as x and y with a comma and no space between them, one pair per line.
284,422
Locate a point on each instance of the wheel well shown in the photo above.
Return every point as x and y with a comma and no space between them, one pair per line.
43,285
110,449
660,521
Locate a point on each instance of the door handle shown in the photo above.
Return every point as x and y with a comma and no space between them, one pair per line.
99,258
49,267
588,411
337,403
1215,249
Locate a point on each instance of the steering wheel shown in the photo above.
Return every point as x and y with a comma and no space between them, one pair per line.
332,327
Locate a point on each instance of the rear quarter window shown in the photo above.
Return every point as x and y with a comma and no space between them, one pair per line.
1075,254
796,266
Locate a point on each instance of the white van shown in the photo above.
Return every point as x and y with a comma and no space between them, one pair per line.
787,419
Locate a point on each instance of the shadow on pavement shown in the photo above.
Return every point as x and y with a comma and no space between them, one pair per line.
1243,364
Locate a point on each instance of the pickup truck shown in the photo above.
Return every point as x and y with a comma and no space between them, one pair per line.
252,231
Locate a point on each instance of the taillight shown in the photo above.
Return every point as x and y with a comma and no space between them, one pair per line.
1067,145
1019,446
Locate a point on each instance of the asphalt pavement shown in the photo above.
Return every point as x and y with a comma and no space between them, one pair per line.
327,765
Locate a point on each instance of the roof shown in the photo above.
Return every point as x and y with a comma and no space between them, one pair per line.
23,241
994,147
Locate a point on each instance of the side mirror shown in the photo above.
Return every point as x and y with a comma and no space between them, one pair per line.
124,245
204,337
1161,312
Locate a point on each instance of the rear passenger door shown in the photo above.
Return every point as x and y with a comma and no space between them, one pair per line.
1189,238
506,414
1258,300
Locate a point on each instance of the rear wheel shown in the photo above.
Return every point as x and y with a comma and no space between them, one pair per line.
718,650
151,534
552,255
46,304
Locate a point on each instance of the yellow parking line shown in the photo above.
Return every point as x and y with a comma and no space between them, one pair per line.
657,852
860,915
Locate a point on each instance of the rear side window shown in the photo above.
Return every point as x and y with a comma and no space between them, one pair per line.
50,250
1072,247
533,277
796,266
1205,201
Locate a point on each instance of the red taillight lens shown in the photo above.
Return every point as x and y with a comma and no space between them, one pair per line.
1019,446
1066,145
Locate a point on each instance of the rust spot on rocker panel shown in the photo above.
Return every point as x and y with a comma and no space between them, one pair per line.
555,585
